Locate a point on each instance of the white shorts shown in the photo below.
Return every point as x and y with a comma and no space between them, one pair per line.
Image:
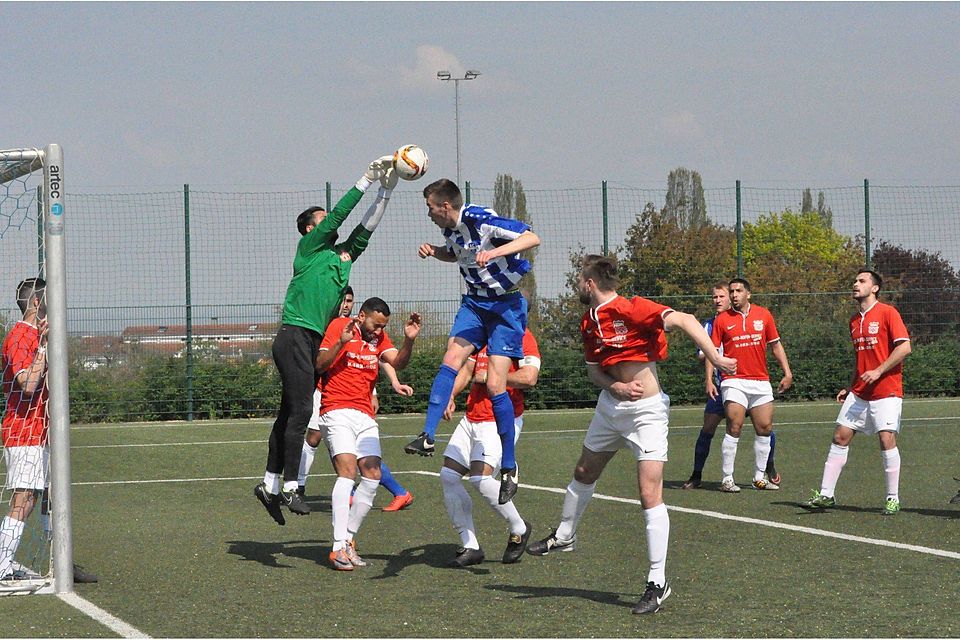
641,425
746,393
870,416
27,467
478,441
350,431
315,416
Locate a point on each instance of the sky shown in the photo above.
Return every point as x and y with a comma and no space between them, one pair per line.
245,96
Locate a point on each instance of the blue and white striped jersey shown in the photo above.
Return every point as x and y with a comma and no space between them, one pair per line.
481,229
708,327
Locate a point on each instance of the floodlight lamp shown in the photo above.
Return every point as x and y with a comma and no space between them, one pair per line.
443,75
470,75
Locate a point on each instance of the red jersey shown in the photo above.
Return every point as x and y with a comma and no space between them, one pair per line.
621,329
349,382
25,418
745,336
875,332
479,407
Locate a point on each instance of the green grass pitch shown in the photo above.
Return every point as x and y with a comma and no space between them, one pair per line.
165,515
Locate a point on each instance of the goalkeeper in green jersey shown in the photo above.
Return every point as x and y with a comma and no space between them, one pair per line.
321,270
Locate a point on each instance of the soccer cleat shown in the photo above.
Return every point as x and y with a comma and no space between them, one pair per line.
293,501
422,445
818,502
352,554
774,477
270,502
341,560
516,544
764,484
891,507
509,483
693,483
729,486
400,502
82,576
652,598
467,558
17,574
551,543
302,492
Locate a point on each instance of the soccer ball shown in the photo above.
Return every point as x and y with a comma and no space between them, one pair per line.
410,161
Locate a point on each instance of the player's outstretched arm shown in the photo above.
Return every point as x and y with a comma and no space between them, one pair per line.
690,326
400,358
526,240
781,357
442,254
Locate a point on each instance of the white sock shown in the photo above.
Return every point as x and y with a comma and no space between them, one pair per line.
658,538
832,468
728,454
10,533
891,467
272,482
761,451
289,485
362,501
459,507
306,461
340,507
574,502
489,488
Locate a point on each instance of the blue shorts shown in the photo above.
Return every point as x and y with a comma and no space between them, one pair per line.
714,406
495,323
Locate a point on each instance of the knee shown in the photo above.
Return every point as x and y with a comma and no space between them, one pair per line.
584,474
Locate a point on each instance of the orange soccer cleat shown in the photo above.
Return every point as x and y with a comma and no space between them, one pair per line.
400,502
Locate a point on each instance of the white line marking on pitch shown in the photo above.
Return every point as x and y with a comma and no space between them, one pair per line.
108,620
632,501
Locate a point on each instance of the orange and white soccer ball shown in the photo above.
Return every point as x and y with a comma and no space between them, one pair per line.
410,161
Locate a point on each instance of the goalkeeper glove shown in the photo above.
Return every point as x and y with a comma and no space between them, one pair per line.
374,171
388,181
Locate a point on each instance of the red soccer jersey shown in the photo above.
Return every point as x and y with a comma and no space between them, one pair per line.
25,418
745,336
622,329
875,333
479,407
349,382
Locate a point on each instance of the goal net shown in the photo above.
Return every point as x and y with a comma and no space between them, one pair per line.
35,539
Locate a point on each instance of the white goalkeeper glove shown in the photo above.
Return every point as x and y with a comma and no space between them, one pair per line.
388,181
374,171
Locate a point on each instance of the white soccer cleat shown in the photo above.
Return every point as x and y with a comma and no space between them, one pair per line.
729,486
764,484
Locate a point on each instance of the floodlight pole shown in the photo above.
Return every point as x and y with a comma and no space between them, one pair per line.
445,76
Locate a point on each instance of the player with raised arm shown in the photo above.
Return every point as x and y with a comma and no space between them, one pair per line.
402,498
349,360
492,314
713,409
321,271
873,401
623,339
474,449
745,331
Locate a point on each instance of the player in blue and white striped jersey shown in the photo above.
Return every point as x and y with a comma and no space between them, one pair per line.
713,411
492,314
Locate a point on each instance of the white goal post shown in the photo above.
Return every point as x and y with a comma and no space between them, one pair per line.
35,177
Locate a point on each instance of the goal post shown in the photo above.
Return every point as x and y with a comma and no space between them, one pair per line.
32,203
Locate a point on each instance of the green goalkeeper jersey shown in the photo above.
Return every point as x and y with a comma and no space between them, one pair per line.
320,272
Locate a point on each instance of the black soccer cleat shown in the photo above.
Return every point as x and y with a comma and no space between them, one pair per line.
270,502
509,483
82,576
294,501
422,445
467,558
551,543
652,598
516,544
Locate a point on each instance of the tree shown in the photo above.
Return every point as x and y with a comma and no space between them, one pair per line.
923,286
510,201
685,202
806,206
799,252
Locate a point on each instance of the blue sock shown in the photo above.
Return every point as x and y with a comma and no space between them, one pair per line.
700,452
503,413
389,482
439,398
773,444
